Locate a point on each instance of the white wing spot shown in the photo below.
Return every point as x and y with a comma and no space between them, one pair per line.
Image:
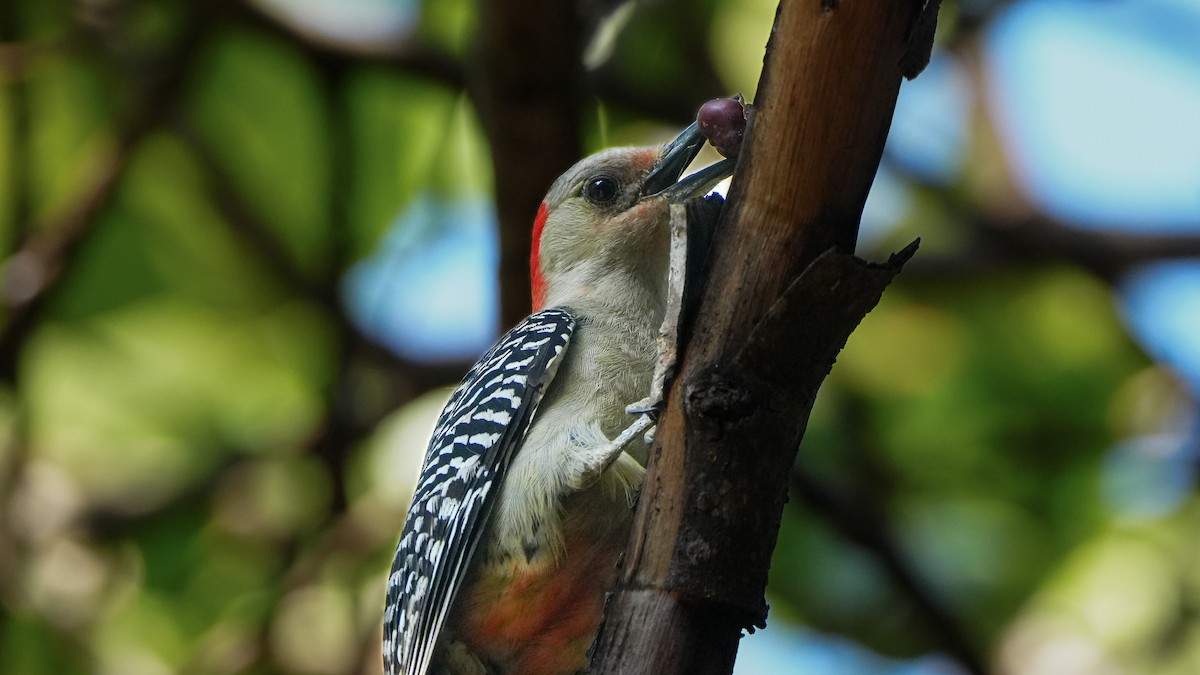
501,417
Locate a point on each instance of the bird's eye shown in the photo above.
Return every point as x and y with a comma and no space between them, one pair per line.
600,189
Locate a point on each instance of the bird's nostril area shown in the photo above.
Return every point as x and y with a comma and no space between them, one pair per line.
647,159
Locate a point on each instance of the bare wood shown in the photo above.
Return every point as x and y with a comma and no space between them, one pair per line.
783,295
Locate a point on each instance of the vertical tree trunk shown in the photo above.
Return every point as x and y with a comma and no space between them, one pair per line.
528,98
782,296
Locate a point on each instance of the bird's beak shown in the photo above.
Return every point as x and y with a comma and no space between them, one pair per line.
663,179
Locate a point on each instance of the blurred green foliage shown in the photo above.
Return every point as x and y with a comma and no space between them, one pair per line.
205,467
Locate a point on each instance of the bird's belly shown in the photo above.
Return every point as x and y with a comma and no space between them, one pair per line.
540,617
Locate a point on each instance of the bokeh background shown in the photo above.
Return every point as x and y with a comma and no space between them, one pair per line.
247,246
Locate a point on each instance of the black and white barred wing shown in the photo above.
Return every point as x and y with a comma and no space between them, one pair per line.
472,446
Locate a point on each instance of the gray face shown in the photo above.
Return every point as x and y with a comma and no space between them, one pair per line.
609,181
598,226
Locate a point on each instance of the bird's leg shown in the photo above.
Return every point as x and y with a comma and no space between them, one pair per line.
668,333
643,424
602,452
692,225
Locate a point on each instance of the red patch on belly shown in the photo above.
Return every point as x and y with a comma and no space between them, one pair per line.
542,621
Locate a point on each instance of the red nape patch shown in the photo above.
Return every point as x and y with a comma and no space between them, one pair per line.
536,282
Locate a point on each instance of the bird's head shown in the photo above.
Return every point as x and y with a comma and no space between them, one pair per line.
603,228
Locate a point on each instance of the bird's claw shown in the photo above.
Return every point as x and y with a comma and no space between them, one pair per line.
650,406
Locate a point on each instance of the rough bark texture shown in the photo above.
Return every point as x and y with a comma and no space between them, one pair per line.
783,294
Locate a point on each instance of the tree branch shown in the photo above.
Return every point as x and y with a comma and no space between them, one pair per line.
782,296
528,99
41,260
1020,232
864,524
412,56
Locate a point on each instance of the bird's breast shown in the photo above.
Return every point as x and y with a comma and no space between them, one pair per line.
539,615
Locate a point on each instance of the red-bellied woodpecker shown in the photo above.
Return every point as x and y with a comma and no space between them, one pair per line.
523,509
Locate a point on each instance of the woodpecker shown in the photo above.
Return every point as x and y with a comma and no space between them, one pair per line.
523,505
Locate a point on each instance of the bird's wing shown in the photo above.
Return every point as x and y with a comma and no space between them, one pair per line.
473,444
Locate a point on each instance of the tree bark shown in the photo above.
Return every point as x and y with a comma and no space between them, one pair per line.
783,293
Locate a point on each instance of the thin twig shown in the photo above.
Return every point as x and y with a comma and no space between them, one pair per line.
1022,233
412,56
41,261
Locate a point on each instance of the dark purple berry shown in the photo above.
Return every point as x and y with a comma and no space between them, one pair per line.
723,123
